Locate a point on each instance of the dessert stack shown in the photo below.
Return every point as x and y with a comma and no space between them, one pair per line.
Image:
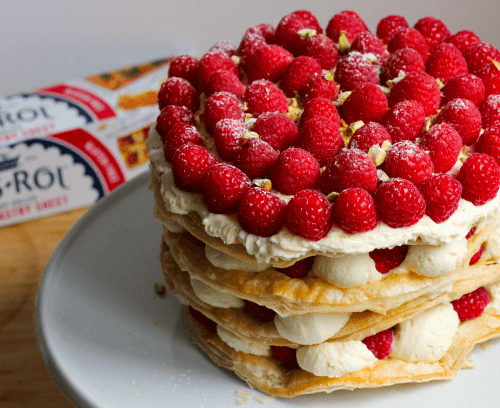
330,200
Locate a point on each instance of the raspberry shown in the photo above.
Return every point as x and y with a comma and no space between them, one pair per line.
228,136
480,178
265,30
443,143
471,232
442,195
351,168
354,211
380,344
263,96
269,62
261,212
221,105
310,20
321,85
190,162
309,215
399,203
295,170
490,75
369,135
255,158
433,30
408,161
465,118
387,259
472,305
477,256
389,25
463,40
170,115
258,312
367,103
322,49
299,269
178,91
465,86
223,186
490,111
184,66
249,44
479,54
420,87
286,356
298,74
347,21
225,81
354,70
319,107
224,46
404,121
445,62
287,30
179,135
211,62
404,59
489,142
321,137
367,43
277,129
409,38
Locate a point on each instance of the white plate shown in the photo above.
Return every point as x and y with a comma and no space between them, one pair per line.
95,323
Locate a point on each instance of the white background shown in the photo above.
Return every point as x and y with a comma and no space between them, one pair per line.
45,42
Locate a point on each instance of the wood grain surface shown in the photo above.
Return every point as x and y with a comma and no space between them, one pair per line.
24,251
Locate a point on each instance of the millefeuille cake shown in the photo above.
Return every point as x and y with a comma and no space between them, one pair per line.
330,200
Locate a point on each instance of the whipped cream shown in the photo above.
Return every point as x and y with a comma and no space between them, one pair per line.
224,261
494,305
241,345
215,297
312,328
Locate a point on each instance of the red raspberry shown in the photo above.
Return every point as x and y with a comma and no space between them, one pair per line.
347,21
178,91
258,312
309,215
443,143
408,161
477,256
211,62
224,46
472,305
471,233
480,178
295,170
261,212
387,259
225,81
265,30
321,85
190,162
351,168
366,43
463,40
269,62
319,107
465,118
367,103
399,203
354,211
445,62
479,54
255,158
179,135
490,74
389,25
442,195
490,111
249,44
354,70
184,66
409,38
420,87
404,121
228,136
277,129
380,344
170,115
310,20
465,86
489,142
298,74
221,105
433,30
299,269
369,135
287,31
286,356
321,137
404,59
263,96
323,49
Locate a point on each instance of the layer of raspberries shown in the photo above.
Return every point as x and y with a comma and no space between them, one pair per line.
304,129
